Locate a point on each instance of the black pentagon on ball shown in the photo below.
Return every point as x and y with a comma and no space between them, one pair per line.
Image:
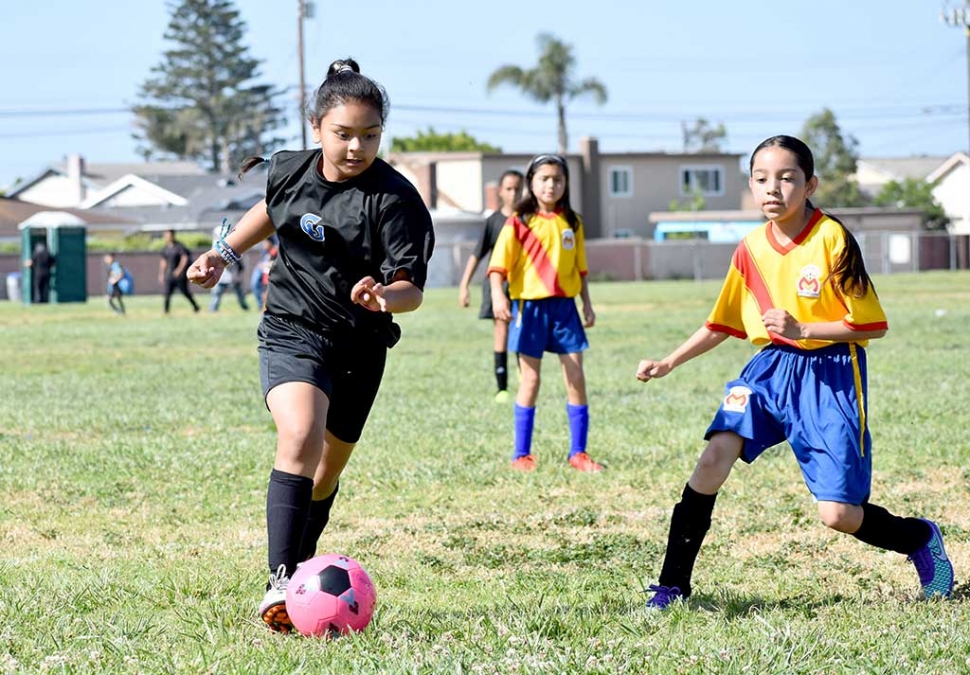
334,580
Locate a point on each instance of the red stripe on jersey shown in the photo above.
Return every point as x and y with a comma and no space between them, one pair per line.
802,236
718,328
755,283
879,325
540,259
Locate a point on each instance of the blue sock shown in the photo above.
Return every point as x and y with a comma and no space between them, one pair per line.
524,422
578,427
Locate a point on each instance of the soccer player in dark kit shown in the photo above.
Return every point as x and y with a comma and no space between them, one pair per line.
354,243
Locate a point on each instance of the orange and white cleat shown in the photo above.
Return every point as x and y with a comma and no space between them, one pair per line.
272,609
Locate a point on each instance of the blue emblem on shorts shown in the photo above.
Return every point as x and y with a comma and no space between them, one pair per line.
310,223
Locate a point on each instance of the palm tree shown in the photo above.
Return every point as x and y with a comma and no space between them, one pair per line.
550,80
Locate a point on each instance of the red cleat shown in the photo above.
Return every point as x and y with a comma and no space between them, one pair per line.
525,463
583,462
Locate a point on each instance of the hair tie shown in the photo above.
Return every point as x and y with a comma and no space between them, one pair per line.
344,68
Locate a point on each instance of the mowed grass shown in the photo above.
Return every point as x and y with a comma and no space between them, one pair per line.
134,455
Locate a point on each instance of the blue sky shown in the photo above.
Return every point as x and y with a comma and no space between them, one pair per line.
894,74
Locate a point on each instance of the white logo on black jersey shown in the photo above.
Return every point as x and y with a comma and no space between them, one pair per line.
310,223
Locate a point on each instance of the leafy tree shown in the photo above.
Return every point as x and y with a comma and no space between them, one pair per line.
693,201
702,137
198,104
836,159
914,194
550,80
432,141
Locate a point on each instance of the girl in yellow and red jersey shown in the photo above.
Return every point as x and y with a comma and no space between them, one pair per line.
540,251
797,288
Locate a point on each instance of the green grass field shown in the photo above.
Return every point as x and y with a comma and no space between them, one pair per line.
134,455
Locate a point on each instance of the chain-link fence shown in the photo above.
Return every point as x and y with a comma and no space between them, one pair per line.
639,259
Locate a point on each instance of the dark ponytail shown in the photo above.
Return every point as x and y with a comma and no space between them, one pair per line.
343,83
849,273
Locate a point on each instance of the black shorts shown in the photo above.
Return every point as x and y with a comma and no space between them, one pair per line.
485,311
349,375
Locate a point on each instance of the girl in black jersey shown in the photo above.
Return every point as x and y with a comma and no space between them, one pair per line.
354,243
509,194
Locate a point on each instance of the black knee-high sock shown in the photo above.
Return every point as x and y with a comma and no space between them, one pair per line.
882,529
688,525
287,507
502,370
315,524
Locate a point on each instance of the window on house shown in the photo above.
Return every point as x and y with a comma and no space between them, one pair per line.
621,181
707,180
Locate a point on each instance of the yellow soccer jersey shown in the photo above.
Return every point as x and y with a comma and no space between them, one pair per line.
543,259
765,274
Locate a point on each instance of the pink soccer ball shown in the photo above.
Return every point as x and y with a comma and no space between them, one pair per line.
330,595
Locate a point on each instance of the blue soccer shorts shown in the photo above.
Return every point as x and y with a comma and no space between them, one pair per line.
547,325
814,399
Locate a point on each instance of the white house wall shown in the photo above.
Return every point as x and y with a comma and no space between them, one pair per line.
133,196
461,181
953,194
52,191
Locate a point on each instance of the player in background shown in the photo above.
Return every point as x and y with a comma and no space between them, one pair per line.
541,253
798,288
509,193
175,259
119,283
354,239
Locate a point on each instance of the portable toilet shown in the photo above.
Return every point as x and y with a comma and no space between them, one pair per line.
66,237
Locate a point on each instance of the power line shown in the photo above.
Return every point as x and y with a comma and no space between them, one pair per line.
68,112
882,112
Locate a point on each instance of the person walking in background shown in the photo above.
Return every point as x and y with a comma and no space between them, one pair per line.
260,275
541,252
171,271
509,193
41,264
798,289
119,283
328,318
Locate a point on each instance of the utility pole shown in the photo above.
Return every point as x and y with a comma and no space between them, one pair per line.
304,11
959,17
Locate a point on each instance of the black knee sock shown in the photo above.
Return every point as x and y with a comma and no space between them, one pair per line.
502,370
882,529
287,507
315,524
688,525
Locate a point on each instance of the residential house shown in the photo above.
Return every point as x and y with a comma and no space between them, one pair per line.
949,175
614,191
153,196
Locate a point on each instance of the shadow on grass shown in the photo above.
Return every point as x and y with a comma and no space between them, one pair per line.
734,606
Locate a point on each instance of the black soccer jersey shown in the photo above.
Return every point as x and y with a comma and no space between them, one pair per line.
173,256
331,235
490,235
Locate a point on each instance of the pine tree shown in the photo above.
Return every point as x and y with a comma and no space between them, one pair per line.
199,102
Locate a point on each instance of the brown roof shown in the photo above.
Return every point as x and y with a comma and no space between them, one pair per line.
13,212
